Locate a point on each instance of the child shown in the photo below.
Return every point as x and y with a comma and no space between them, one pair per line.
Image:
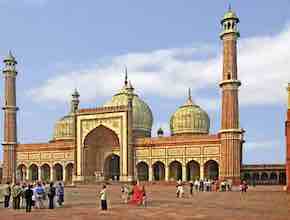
103,197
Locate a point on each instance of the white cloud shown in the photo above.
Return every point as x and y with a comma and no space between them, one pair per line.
263,63
262,145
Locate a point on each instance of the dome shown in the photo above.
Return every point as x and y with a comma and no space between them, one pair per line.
142,115
63,128
189,119
230,14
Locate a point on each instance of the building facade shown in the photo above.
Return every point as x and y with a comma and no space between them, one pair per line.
114,141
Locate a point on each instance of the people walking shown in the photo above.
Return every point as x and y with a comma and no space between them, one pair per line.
103,198
28,193
60,194
7,194
51,194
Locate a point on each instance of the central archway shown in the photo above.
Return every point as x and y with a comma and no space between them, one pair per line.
112,167
211,170
175,170
97,145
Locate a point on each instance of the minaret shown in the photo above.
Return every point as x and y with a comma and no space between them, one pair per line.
231,134
287,129
131,162
10,127
74,108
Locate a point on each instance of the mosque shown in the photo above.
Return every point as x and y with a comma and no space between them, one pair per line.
114,142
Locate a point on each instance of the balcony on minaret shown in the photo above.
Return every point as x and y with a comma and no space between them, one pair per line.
229,23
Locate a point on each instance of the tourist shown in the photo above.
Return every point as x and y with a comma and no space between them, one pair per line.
244,186
16,193
33,188
7,194
51,194
125,193
144,199
39,190
201,185
60,194
191,187
137,194
28,193
180,191
196,185
103,198
22,196
229,185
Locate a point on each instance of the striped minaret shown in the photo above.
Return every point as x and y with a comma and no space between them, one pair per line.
10,126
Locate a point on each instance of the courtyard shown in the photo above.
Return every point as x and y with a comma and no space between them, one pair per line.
261,202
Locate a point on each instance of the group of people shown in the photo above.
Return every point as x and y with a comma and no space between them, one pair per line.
198,185
134,194
207,185
27,195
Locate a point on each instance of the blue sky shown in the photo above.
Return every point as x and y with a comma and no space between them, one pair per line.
165,44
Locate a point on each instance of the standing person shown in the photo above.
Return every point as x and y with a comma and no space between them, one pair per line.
191,187
201,185
103,198
33,187
196,185
22,196
7,194
16,193
60,194
39,195
51,194
144,199
28,193
125,193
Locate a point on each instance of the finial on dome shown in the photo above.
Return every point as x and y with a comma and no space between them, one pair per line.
189,99
160,132
126,76
230,7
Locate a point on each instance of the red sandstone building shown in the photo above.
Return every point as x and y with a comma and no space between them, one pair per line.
114,141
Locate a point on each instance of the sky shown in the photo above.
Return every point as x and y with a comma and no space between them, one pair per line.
167,46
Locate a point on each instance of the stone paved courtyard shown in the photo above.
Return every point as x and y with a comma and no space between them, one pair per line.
80,203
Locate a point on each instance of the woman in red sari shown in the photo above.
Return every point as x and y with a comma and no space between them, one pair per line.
137,196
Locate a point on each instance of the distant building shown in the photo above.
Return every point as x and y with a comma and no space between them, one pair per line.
114,141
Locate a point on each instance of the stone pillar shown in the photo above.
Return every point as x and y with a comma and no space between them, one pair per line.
27,174
51,173
201,171
166,173
183,173
39,173
150,173
64,174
